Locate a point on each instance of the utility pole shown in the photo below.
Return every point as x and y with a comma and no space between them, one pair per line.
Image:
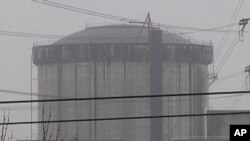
243,23
214,76
247,71
31,98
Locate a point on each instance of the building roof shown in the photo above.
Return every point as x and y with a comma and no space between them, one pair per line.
117,34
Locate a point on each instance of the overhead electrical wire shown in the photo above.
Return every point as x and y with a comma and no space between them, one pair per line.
123,97
214,29
123,19
47,36
229,76
172,95
224,39
17,108
102,15
94,13
222,78
225,35
28,108
111,101
227,54
229,28
83,11
16,92
24,93
35,35
229,96
238,97
25,34
127,118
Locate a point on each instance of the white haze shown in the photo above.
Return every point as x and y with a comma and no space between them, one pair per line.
27,16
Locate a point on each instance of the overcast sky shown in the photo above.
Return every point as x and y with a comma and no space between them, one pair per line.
31,17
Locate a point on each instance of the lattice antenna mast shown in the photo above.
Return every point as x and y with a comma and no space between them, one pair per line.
147,22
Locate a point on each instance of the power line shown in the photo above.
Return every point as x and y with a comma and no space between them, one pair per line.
227,54
18,35
127,101
94,13
124,97
16,92
35,35
98,14
229,96
230,76
127,118
51,96
237,99
28,35
83,11
123,19
48,36
14,108
24,93
225,36
214,29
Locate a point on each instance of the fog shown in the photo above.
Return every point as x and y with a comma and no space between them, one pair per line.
30,17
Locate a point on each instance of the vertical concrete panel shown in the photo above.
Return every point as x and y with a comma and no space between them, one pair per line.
110,108
84,89
68,91
183,78
184,123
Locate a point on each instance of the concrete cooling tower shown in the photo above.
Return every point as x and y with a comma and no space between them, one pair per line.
110,61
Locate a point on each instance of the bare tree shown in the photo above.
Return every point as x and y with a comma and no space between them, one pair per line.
47,133
4,129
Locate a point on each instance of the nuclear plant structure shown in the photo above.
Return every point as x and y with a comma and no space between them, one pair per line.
113,60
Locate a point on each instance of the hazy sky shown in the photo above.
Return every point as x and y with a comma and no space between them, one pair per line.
27,16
